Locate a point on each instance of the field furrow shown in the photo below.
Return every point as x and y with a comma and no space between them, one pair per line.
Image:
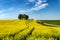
27,30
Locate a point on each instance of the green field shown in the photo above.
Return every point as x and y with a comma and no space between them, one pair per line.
56,22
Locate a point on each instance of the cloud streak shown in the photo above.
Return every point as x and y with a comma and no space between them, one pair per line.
1,11
39,4
39,7
31,0
4,14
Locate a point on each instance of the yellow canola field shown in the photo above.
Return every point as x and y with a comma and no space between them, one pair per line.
27,30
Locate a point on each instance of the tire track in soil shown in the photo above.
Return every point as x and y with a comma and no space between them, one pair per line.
29,33
11,36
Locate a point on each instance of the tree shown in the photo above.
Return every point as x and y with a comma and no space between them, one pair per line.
23,16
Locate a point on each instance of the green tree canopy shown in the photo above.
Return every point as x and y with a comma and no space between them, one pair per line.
23,17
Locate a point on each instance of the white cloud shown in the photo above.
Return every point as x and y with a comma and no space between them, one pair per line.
23,11
9,9
38,6
31,0
1,11
6,10
39,2
35,8
3,16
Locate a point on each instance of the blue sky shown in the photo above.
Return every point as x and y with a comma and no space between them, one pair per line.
36,9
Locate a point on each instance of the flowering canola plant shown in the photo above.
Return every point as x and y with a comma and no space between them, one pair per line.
27,30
